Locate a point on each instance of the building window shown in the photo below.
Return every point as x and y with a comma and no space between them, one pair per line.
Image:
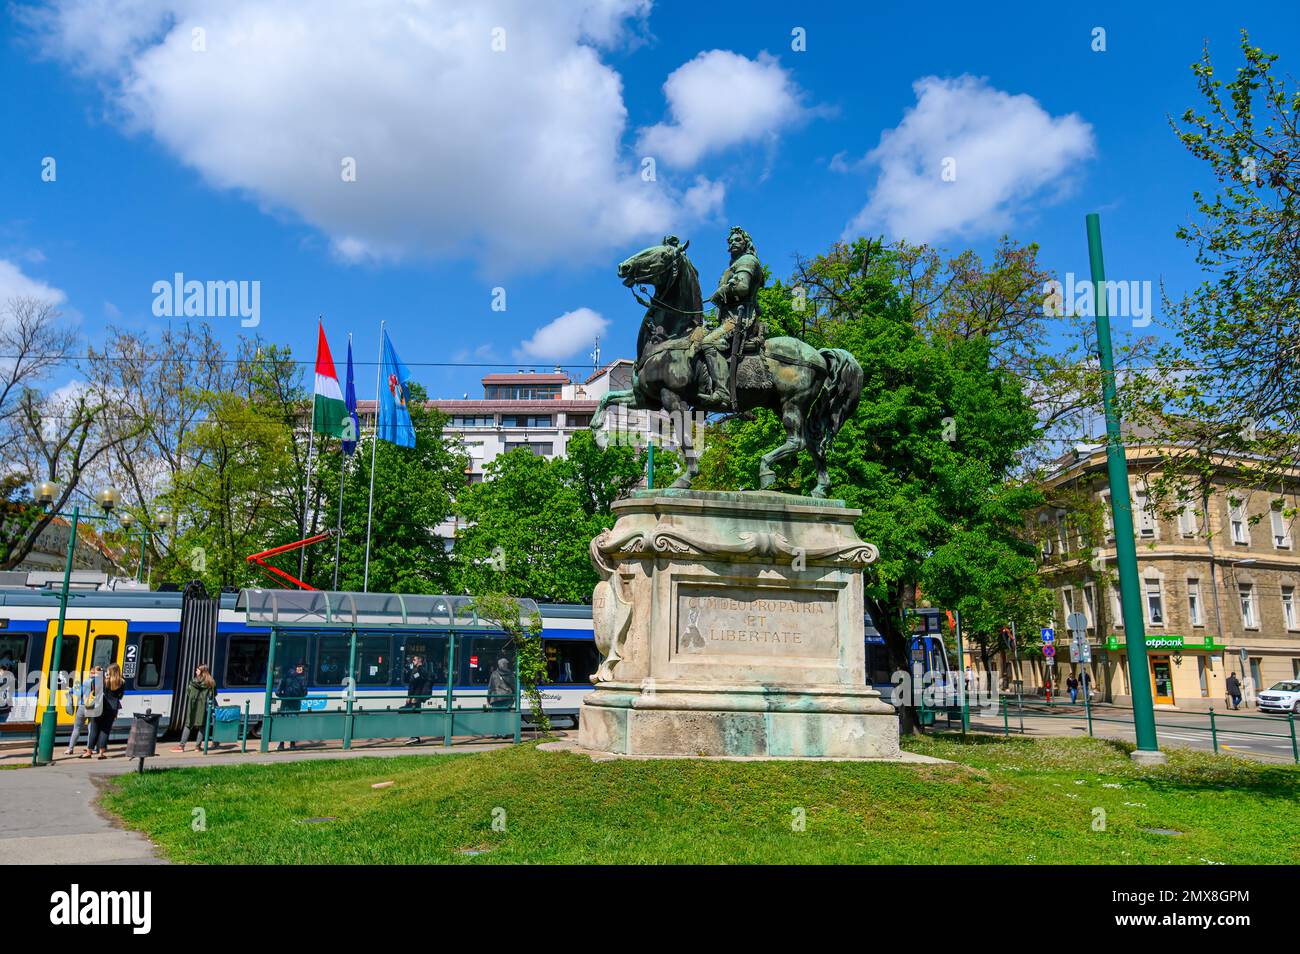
1046,533
1256,680
1281,532
474,420
1090,605
1155,603
1116,608
526,420
1067,597
579,420
1107,519
1237,522
1204,676
1146,520
1194,602
1288,606
1187,520
1246,592
536,449
522,392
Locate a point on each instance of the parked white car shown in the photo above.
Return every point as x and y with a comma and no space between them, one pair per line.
1282,697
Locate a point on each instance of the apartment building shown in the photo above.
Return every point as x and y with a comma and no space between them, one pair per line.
1219,575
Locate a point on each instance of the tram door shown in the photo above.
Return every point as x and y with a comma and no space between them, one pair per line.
86,644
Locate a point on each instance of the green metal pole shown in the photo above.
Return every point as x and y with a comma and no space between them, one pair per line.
451,681
1006,726
50,718
270,677
1144,716
519,709
352,688
207,724
1295,751
1214,735
139,567
1087,705
961,661
243,729
650,467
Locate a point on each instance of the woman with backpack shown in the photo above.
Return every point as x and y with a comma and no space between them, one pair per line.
101,726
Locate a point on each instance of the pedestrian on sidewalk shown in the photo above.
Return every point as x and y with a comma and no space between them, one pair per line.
101,726
1073,685
1233,686
1085,683
292,689
85,695
418,681
198,694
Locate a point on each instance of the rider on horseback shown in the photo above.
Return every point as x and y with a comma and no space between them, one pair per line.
738,324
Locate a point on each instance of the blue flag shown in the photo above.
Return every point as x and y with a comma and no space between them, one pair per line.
350,399
394,391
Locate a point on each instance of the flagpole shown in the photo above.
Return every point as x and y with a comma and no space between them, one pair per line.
311,442
370,507
343,472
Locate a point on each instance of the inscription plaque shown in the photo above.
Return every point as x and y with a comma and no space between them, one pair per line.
756,621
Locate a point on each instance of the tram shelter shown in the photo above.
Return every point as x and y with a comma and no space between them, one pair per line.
353,711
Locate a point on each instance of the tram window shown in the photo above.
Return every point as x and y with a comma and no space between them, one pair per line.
332,654
373,658
13,653
570,660
484,651
103,652
879,672
433,649
68,652
149,675
290,652
246,661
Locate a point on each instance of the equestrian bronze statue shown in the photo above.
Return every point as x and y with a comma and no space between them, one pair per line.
684,364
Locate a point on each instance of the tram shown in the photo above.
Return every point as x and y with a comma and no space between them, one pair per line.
158,637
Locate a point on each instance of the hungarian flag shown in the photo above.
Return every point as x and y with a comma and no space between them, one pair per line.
330,414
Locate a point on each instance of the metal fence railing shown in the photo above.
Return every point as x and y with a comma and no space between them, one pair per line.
1011,710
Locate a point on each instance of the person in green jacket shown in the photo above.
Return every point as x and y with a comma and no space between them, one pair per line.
197,696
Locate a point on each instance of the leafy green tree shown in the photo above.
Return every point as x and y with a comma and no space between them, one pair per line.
526,637
1235,368
530,522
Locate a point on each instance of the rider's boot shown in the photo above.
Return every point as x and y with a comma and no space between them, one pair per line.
715,396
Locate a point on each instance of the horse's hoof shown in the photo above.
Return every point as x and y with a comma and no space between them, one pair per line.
766,478
819,492
681,483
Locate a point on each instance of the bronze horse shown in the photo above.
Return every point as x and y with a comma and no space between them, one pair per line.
814,391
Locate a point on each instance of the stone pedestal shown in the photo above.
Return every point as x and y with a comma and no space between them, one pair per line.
732,625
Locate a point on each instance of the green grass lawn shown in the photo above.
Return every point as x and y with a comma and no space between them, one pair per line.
1016,801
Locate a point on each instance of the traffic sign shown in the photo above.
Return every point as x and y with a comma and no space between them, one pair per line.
1076,623
1049,634
1049,650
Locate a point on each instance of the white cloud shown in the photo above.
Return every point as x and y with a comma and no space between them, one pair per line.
513,157
1008,152
564,337
722,99
14,284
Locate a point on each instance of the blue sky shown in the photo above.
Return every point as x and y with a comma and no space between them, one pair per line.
518,168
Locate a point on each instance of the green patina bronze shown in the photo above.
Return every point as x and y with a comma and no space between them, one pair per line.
685,363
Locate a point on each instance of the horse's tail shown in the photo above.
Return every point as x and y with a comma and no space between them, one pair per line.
836,401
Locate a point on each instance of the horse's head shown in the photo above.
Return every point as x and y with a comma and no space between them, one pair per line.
658,265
